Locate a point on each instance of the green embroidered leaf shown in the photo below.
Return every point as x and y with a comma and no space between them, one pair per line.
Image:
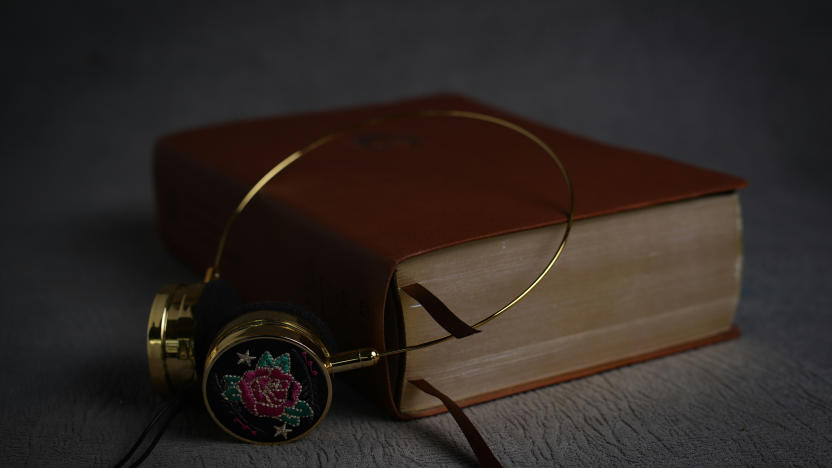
232,390
266,360
233,395
301,409
283,362
232,380
290,420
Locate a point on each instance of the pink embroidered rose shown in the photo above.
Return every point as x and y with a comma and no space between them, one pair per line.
268,391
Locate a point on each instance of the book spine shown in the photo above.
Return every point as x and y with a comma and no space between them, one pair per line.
276,252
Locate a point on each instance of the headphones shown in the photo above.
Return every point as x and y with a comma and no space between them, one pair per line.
265,368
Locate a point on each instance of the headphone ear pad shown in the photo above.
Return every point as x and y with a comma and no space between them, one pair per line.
325,332
217,305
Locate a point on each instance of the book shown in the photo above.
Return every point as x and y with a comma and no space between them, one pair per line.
472,212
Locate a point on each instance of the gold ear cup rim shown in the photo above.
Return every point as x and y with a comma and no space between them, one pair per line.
268,325
170,337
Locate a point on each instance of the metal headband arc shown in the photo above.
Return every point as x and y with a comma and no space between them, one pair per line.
213,271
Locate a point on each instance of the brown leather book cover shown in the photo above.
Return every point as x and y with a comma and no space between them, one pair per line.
328,232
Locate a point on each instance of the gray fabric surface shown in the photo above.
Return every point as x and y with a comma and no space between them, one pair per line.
86,88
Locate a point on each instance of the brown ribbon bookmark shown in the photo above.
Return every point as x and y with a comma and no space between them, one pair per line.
484,454
439,311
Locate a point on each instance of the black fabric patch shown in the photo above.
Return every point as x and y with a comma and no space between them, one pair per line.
217,305
267,390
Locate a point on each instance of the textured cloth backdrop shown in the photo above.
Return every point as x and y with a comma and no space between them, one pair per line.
86,87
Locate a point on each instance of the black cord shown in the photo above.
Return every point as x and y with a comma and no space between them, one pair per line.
172,408
156,439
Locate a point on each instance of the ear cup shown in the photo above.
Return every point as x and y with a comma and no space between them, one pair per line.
217,305
266,378
325,332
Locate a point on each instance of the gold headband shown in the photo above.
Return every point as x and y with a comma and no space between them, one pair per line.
213,272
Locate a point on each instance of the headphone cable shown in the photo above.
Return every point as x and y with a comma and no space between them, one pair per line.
168,410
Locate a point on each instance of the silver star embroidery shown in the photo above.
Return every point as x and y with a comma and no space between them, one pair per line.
245,358
278,431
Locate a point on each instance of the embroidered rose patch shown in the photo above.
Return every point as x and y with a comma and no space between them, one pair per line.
269,390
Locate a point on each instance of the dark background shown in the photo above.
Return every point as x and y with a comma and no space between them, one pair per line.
87,87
